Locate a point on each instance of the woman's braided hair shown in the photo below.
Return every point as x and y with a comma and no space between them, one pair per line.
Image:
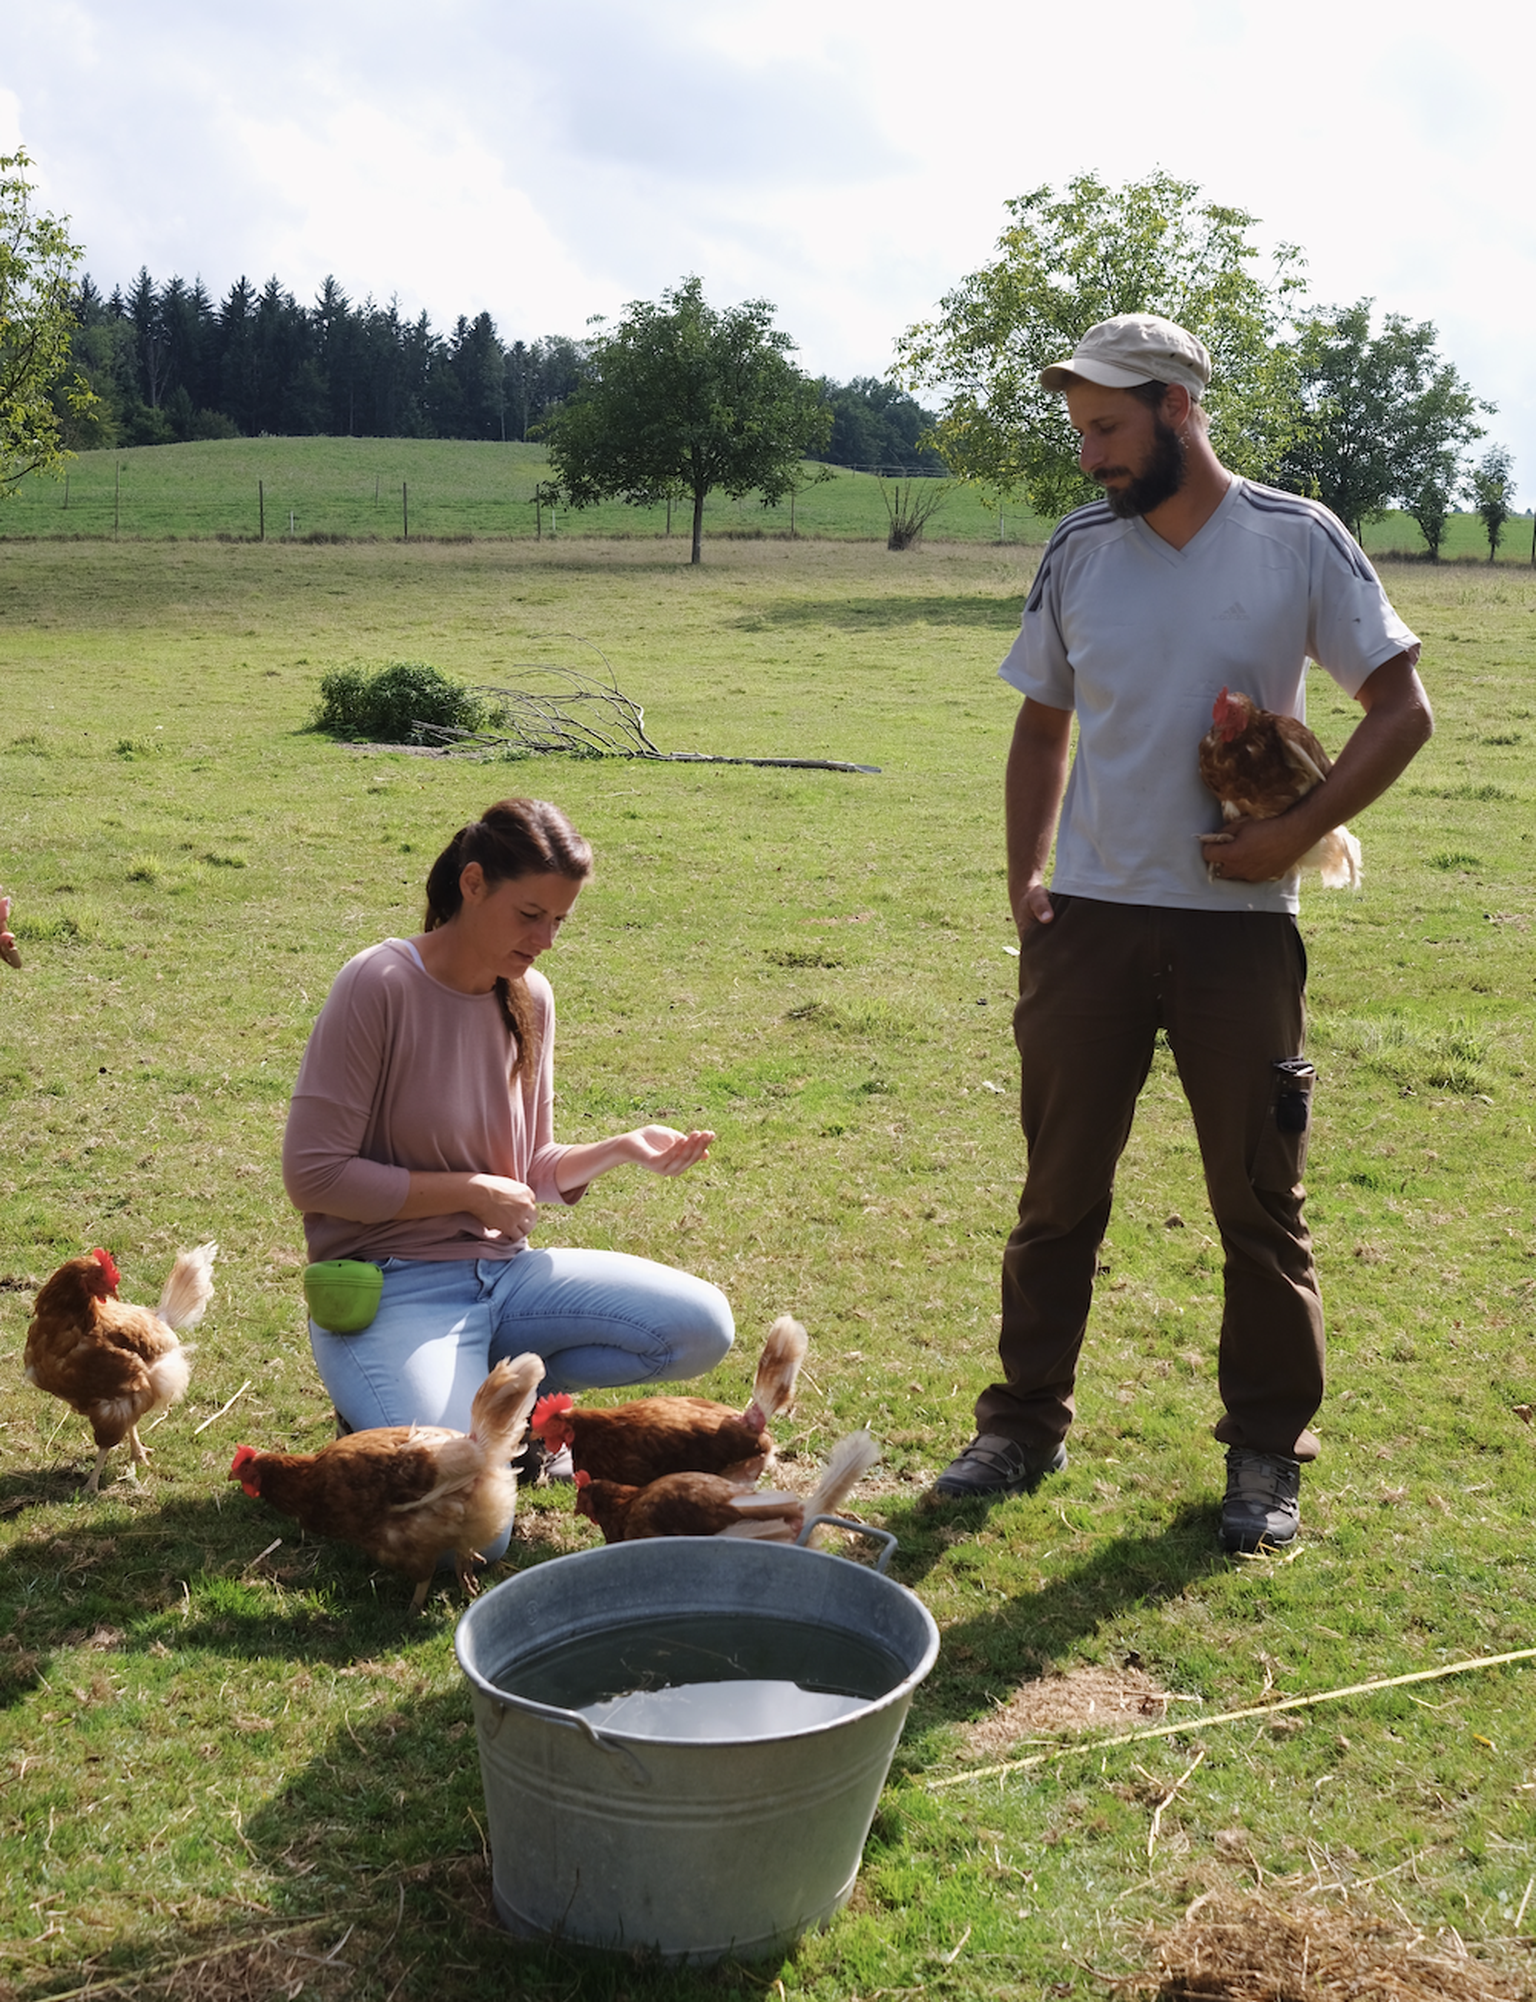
515,837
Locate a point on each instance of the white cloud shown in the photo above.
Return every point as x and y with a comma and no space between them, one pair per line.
848,159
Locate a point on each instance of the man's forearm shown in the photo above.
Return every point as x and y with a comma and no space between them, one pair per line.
1035,780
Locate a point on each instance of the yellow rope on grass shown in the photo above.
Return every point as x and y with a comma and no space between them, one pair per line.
1189,1724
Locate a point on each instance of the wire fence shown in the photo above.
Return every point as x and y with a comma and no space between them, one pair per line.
128,499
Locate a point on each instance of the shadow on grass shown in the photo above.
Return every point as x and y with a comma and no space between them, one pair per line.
858,614
984,1659
394,1806
40,1487
381,1828
196,1574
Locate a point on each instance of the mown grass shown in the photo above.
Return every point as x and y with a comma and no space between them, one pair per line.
215,1744
387,489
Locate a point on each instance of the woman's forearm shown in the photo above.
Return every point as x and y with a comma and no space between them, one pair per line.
436,1194
585,1160
662,1149
500,1203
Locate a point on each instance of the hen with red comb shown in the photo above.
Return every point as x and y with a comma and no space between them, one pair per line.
1258,764
112,1362
636,1443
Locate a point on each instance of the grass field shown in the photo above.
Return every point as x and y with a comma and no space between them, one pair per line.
232,1766
389,488
367,488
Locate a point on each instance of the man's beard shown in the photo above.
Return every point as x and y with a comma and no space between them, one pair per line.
1159,481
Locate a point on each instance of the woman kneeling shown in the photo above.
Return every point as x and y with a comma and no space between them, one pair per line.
420,1140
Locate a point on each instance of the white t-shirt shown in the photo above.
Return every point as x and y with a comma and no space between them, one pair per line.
1138,638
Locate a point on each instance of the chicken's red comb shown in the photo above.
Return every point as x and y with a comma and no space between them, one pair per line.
552,1406
108,1265
583,1478
1220,707
243,1458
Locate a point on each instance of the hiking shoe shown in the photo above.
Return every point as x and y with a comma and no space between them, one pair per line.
1262,1507
994,1466
537,1466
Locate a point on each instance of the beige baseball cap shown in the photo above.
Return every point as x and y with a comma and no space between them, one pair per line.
1134,348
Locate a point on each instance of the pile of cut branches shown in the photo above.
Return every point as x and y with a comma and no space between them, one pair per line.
584,715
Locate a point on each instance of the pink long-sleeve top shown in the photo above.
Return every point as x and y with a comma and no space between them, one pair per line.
402,1073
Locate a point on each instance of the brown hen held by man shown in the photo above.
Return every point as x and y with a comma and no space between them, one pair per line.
1258,764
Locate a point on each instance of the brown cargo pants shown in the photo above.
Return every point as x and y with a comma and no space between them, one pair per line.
1227,988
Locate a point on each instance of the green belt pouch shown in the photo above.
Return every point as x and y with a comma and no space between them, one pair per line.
343,1294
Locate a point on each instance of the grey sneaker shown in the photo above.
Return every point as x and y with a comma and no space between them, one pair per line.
1262,1508
994,1466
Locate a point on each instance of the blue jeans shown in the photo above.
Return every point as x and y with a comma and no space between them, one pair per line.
599,1319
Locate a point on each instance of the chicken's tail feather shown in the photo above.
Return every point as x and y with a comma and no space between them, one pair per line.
773,1388
768,1502
169,1376
847,1464
189,1288
773,1516
1337,857
498,1417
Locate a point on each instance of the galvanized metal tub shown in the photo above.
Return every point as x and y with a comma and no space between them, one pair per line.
602,1837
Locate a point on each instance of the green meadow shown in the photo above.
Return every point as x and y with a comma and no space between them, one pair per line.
388,489
233,1767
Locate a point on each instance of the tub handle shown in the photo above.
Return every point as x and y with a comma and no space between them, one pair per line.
572,1720
882,1536
612,1746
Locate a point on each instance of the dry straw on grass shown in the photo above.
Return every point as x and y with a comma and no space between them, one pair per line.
1234,1948
1080,1700
279,1964
1251,1710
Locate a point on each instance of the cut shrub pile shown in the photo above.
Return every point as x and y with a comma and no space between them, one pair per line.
389,704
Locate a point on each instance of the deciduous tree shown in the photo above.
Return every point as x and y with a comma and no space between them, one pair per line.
1385,418
1491,486
37,261
681,397
1065,262
879,428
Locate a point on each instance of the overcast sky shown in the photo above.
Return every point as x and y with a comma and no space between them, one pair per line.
847,159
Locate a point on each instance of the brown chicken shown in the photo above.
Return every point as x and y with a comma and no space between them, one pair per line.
112,1362
1258,764
409,1494
638,1442
709,1505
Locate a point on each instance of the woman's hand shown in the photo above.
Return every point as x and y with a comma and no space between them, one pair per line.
502,1204
662,1149
495,1200
667,1152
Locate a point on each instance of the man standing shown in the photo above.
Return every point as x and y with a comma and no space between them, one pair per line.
1182,580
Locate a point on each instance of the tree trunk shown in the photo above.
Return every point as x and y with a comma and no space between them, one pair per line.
698,526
